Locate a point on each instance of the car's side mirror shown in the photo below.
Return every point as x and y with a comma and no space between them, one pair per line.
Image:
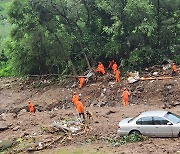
169,123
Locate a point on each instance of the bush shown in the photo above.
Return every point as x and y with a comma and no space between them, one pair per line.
126,139
144,57
6,71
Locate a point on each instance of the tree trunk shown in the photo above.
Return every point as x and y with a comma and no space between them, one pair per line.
74,72
85,56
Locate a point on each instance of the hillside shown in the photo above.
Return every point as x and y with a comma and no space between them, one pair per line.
52,100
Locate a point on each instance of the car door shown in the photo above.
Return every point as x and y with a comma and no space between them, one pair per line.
145,126
163,127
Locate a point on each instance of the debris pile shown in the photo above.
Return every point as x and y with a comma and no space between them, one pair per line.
70,127
171,97
133,77
60,132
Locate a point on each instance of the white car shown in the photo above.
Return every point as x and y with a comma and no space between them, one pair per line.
151,123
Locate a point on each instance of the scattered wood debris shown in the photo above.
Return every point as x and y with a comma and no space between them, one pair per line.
156,78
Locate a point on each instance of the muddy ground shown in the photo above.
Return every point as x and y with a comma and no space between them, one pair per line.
52,99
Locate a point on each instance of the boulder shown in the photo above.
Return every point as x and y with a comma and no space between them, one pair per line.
16,128
5,144
3,126
8,116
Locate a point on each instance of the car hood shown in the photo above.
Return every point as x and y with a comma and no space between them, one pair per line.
124,121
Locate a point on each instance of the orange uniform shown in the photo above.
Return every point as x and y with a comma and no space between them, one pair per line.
117,76
174,67
75,98
125,96
31,107
100,68
114,67
80,107
81,82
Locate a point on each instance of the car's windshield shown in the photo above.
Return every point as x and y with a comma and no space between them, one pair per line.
172,117
132,118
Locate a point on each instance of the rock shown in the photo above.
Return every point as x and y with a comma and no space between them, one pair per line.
24,134
23,111
53,115
140,145
140,88
94,103
166,105
108,92
133,79
8,116
96,122
2,111
32,147
112,84
176,103
155,73
1,119
111,104
110,112
3,126
16,128
101,104
5,144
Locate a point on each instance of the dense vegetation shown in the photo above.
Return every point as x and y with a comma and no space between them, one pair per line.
68,36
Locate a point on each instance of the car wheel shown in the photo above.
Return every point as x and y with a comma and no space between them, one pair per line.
134,132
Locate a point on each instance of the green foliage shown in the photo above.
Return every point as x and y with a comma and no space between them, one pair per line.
132,138
62,36
6,70
126,139
144,57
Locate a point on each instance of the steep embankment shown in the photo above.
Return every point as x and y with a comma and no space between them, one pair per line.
48,95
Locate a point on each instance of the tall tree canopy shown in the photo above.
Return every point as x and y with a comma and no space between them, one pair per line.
64,36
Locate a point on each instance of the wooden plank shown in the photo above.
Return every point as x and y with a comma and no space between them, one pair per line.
156,78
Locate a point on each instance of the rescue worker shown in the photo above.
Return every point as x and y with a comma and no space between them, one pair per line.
125,96
100,68
75,98
114,67
31,107
174,69
117,76
81,81
80,109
